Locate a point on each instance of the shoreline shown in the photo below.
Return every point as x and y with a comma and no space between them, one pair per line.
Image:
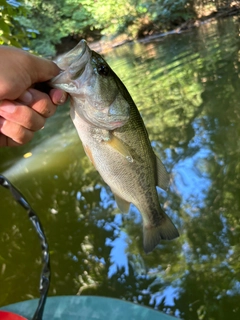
102,46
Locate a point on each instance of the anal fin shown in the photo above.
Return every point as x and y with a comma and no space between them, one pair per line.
163,177
122,204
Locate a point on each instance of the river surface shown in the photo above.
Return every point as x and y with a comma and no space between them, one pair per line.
187,88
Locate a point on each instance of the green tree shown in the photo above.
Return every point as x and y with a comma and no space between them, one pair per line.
12,32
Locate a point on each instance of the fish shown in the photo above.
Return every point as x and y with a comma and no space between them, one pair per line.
115,139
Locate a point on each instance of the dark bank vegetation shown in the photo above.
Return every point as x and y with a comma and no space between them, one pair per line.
50,27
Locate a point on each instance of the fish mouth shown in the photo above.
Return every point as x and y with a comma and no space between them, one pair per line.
72,65
71,58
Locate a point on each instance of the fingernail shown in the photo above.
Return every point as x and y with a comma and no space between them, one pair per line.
7,106
63,98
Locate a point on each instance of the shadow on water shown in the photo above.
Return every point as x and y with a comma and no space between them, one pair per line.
187,89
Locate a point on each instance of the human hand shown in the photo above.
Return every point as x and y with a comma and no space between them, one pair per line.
24,110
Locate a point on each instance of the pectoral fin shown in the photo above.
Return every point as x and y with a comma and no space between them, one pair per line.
122,204
120,147
162,175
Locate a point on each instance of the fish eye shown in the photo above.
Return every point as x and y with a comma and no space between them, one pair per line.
103,70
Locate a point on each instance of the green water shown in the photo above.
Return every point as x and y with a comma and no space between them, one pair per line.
187,88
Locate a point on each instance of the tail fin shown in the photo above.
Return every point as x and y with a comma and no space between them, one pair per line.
153,234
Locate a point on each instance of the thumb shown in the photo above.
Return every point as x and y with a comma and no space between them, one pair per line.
43,69
19,70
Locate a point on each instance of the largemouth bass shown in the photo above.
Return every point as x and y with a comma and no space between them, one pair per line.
115,139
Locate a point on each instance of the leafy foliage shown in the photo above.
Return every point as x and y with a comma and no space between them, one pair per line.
12,31
54,26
